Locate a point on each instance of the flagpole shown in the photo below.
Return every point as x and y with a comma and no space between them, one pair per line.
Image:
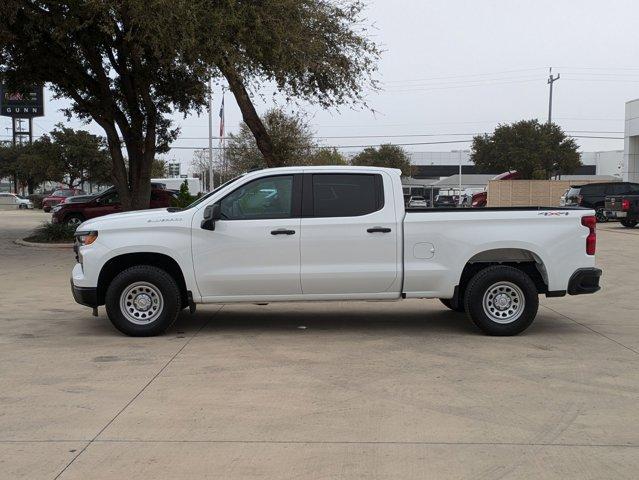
211,173
223,162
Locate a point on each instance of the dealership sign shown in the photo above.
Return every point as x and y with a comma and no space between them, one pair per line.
29,103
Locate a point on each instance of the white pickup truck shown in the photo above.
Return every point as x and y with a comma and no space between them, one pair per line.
330,233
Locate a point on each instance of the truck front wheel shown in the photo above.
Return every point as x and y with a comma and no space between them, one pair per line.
143,301
501,300
629,223
455,306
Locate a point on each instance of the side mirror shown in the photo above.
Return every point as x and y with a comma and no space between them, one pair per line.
212,213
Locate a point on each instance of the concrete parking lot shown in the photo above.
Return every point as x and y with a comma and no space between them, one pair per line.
404,390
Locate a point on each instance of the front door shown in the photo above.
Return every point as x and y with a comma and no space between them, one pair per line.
254,250
349,235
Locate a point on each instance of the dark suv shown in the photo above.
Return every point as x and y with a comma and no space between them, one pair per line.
73,214
593,195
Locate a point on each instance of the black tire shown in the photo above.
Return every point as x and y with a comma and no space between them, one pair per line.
629,223
601,216
158,286
454,306
73,220
514,287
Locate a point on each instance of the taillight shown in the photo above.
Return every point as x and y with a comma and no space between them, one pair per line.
625,205
591,239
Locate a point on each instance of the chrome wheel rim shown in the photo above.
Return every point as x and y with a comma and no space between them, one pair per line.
74,222
141,303
504,302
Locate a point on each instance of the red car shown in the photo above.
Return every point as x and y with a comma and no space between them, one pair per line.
480,199
58,197
74,213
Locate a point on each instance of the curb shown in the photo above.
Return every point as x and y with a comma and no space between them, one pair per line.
24,243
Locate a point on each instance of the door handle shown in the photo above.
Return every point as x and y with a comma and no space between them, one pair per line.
378,230
282,231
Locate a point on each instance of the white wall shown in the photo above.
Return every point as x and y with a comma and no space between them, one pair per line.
631,142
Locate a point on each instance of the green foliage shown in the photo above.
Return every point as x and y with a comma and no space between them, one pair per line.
65,155
535,150
293,144
391,156
52,233
159,168
129,65
326,156
36,199
77,155
184,198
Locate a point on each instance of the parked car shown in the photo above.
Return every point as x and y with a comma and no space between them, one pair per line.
446,201
58,196
330,233
105,203
625,208
593,195
11,199
480,200
417,202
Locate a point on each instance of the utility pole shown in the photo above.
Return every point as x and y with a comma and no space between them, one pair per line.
211,178
551,80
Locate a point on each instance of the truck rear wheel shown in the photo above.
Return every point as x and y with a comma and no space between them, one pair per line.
501,300
629,223
143,301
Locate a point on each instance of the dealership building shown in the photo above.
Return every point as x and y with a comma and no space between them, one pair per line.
631,142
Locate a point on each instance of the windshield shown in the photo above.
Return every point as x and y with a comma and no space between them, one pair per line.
62,193
204,197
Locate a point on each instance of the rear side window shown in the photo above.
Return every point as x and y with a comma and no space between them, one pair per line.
598,190
347,195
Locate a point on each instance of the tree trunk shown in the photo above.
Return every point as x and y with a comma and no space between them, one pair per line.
250,116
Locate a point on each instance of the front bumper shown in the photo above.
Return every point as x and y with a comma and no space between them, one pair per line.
85,295
584,280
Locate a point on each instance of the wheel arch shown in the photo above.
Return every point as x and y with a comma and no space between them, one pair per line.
523,259
121,262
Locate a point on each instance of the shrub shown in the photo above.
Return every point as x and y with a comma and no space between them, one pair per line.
184,198
36,199
52,233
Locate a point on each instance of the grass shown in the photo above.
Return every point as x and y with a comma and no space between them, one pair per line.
52,233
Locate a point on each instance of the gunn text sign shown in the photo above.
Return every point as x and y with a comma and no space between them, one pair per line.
29,103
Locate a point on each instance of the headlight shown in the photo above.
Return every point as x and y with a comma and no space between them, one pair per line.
57,208
85,238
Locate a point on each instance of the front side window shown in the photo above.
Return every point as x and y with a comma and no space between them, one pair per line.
110,199
346,195
264,198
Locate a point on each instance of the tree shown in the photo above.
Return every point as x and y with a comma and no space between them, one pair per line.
27,164
536,150
77,156
127,66
391,156
159,168
292,140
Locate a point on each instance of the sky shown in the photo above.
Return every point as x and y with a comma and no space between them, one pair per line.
452,68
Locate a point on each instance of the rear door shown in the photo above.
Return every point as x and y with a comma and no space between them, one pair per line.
349,234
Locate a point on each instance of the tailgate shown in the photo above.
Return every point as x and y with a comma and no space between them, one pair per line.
613,203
